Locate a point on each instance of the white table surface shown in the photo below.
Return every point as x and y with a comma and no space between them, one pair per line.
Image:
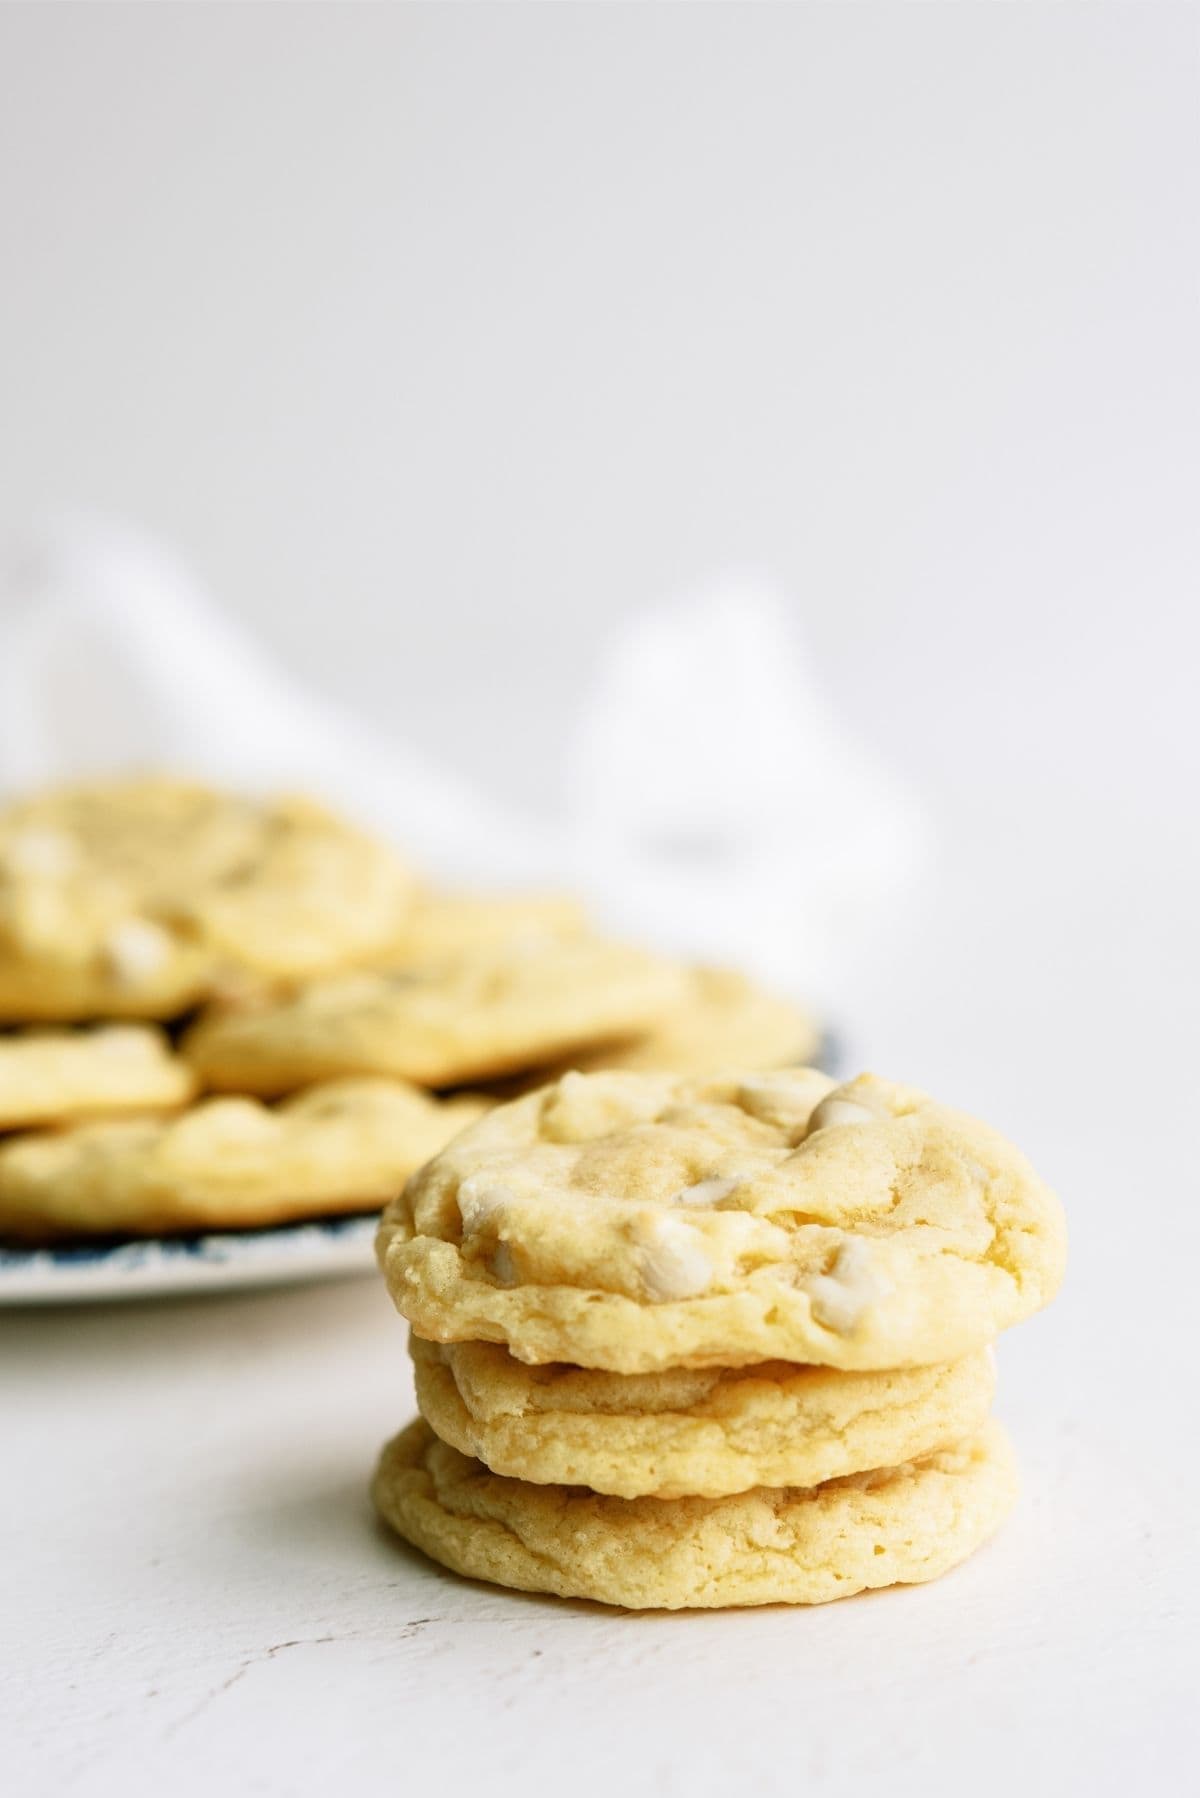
195,1596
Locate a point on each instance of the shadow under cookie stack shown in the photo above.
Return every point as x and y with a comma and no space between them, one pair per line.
225,1014
711,1341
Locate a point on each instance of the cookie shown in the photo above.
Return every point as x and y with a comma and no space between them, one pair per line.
461,1020
639,1221
54,1076
138,898
723,1020
445,926
692,1431
789,1545
225,1163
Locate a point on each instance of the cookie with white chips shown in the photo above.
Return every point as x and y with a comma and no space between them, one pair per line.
137,898
635,1222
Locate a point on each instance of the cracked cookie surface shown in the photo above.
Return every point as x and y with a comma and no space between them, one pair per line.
56,1076
704,1432
138,898
636,1222
461,1020
226,1163
767,1546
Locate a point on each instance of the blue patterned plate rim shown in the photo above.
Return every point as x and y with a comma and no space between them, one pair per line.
330,1248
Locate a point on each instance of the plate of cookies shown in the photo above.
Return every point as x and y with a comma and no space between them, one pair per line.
231,1029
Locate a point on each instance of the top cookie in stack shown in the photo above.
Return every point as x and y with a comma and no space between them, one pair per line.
698,1342
638,1222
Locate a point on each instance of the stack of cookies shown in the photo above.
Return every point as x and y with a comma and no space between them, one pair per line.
219,1013
711,1341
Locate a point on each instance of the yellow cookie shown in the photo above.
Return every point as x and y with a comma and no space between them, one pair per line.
225,1163
704,1432
137,898
640,1221
446,926
790,1545
724,1020
457,1021
54,1076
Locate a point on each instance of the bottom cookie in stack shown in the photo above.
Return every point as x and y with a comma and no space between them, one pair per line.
770,1545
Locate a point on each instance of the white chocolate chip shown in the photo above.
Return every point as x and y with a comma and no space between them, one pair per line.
832,1112
674,1264
784,1100
503,1265
136,950
480,1202
841,1297
48,853
706,1193
126,1042
576,1108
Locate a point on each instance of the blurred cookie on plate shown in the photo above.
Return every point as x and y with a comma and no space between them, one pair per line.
225,1164
59,1076
722,1019
513,1007
137,898
443,926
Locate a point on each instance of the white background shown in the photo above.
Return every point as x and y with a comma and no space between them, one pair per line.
439,339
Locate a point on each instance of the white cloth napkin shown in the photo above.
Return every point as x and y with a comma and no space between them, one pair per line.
719,806
714,805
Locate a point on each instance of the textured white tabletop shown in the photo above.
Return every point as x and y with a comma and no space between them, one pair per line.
195,1593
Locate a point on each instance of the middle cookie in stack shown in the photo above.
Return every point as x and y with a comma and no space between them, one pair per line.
711,1341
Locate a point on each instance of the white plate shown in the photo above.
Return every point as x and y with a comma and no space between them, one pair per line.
289,1255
